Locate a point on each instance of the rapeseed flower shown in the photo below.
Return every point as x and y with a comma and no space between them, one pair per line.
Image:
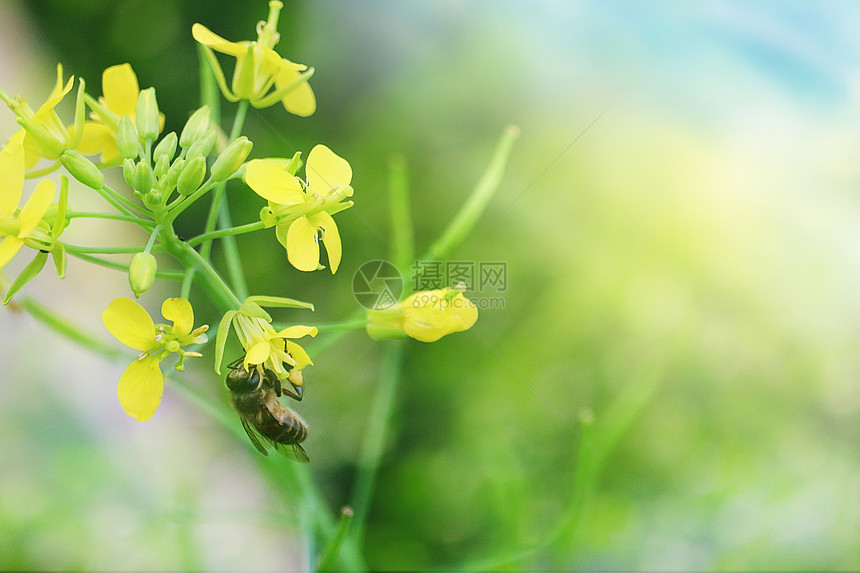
426,316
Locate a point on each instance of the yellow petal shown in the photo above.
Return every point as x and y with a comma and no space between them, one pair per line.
140,388
36,207
273,183
8,247
326,170
11,174
464,311
203,35
301,100
331,238
299,355
303,250
120,89
297,331
130,324
180,313
258,353
98,139
58,93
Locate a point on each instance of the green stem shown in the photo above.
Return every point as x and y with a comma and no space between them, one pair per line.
170,275
329,559
67,328
232,231
108,193
78,249
375,436
112,217
217,287
403,242
466,218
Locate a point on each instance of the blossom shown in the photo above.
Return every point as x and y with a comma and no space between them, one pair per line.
30,225
426,316
258,69
302,210
121,91
46,134
142,384
264,346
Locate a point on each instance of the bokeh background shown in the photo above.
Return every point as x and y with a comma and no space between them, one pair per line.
671,384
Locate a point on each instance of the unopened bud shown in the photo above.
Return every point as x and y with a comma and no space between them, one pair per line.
82,169
295,163
161,166
196,126
168,182
146,115
128,171
166,147
142,178
192,176
141,273
231,159
126,139
202,146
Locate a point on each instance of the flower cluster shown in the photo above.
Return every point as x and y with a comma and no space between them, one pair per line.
165,174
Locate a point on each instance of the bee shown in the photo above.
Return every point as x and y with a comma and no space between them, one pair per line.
255,395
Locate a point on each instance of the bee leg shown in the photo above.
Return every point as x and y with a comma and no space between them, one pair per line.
235,364
295,395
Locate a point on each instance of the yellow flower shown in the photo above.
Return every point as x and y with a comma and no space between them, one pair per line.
26,225
46,134
302,210
264,346
258,69
142,384
121,91
426,316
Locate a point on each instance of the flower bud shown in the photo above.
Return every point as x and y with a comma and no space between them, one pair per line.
128,171
82,169
146,115
202,146
141,273
166,147
161,166
295,163
168,182
196,126
126,139
142,178
231,159
192,176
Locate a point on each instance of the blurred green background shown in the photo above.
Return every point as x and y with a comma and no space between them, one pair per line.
672,382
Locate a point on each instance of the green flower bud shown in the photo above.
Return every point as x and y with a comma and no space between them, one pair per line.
146,115
128,171
168,182
166,147
126,139
192,176
231,159
82,169
161,166
142,178
195,128
141,273
202,146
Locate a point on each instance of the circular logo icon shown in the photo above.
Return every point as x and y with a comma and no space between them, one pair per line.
377,285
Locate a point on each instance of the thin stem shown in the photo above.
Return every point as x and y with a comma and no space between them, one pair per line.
111,217
232,231
466,218
78,249
343,325
223,291
170,275
403,242
376,435
126,202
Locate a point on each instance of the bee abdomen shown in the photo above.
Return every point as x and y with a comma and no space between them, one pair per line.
284,426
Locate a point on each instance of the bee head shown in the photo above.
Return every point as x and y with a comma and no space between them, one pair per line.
240,380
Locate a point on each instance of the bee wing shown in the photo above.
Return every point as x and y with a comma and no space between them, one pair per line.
293,451
255,437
